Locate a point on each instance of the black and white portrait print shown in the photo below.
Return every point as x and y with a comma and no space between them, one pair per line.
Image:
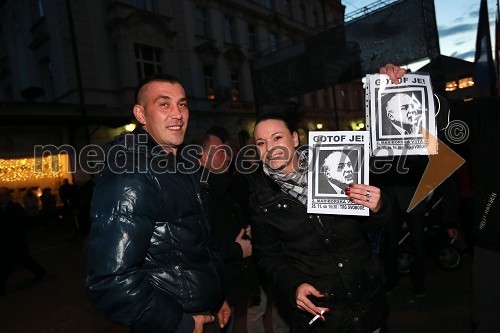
402,113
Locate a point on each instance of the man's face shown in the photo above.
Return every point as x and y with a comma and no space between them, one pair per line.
276,145
402,110
216,157
163,111
338,168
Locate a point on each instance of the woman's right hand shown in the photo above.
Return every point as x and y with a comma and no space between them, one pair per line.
304,303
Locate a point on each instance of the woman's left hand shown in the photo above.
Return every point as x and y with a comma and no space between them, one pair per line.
366,195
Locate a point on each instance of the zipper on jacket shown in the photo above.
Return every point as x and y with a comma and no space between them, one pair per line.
207,239
319,220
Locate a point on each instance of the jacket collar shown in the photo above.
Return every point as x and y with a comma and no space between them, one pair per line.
266,190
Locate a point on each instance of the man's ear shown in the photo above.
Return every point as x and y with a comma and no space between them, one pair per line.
295,137
203,158
139,114
390,116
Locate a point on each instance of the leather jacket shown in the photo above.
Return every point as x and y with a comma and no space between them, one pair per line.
330,252
229,217
151,264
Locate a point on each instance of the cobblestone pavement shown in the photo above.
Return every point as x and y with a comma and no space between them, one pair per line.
57,303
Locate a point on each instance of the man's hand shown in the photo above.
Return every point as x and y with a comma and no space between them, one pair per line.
394,72
248,231
224,314
200,320
452,232
245,244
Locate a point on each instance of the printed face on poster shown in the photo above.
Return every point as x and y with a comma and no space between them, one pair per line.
336,159
397,115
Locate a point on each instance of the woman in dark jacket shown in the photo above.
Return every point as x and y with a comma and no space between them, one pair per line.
314,262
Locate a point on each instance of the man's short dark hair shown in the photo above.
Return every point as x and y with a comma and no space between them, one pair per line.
219,132
155,78
203,141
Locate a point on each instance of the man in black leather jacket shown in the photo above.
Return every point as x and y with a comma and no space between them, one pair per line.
152,265
231,229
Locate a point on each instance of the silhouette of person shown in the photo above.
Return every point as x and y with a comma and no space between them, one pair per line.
30,203
49,208
13,248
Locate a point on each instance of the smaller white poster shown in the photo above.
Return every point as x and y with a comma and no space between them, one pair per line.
336,159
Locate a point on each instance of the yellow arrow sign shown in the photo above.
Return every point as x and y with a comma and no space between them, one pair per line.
440,167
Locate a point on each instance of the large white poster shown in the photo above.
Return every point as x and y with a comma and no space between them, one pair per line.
400,116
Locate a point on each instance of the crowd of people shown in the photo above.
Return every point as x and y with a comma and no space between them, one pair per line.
37,213
180,251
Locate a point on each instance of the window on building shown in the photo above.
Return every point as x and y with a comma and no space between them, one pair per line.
303,13
451,85
7,94
252,37
465,82
228,30
359,99
344,100
270,4
39,8
273,42
209,80
149,60
148,5
330,97
316,19
314,99
201,22
302,100
288,8
462,83
291,72
47,79
235,86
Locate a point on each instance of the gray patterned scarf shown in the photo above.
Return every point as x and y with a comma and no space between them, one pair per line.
294,183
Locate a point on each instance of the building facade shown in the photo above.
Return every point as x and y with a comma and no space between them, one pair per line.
69,68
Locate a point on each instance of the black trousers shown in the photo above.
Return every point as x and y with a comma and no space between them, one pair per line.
22,258
486,281
415,220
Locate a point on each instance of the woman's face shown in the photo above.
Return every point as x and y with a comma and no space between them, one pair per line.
276,145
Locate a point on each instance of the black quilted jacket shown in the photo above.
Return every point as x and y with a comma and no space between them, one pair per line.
330,252
151,264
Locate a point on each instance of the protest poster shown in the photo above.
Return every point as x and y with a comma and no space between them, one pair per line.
397,114
336,159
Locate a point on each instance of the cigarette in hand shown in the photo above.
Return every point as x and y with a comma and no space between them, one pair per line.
316,317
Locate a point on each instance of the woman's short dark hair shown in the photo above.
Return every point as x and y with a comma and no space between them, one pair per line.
277,116
160,77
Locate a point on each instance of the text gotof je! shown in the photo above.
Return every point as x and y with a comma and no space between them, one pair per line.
337,138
